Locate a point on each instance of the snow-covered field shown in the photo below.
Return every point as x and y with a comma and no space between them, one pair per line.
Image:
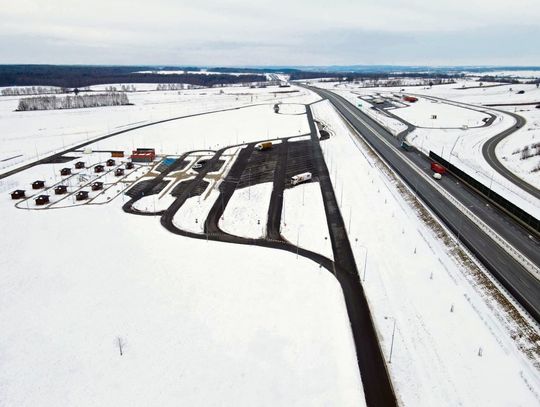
303,219
198,323
205,324
25,136
431,114
246,213
453,343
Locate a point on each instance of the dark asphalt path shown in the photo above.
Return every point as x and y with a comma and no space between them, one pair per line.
518,281
488,151
273,224
377,386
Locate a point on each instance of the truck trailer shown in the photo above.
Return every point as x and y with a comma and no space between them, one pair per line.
263,146
438,168
299,178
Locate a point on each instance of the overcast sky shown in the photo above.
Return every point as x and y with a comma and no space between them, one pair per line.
249,32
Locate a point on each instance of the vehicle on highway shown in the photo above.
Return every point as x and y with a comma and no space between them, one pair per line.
406,146
438,168
263,146
436,175
299,178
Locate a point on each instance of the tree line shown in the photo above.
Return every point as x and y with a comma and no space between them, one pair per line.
72,102
68,76
32,90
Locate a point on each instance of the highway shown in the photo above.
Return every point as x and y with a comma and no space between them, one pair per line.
509,272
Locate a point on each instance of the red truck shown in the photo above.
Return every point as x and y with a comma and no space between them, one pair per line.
438,168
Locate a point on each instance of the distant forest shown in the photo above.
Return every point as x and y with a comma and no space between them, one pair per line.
65,76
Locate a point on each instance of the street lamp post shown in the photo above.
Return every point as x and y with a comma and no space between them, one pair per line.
392,342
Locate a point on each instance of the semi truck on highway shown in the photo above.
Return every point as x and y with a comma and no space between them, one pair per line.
297,179
263,146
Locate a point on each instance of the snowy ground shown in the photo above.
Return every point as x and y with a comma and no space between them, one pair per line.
211,131
225,329
24,136
200,323
442,315
303,219
421,114
246,214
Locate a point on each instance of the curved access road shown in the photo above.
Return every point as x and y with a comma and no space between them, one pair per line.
488,149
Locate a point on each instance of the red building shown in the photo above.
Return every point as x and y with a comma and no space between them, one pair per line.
143,155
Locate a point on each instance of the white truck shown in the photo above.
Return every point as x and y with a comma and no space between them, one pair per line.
299,178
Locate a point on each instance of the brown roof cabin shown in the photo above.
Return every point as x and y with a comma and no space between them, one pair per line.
65,171
18,194
99,168
129,165
81,195
79,165
42,200
60,189
110,162
38,184
119,172
96,186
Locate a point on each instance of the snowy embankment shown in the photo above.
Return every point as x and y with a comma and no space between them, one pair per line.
452,335
246,213
303,219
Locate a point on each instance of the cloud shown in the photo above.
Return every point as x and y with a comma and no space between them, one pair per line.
240,32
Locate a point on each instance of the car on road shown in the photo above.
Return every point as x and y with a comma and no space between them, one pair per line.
436,175
199,164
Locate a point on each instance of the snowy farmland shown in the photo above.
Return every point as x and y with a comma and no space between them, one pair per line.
119,311
25,136
122,312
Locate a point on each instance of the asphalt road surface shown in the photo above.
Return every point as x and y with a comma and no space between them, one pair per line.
510,273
